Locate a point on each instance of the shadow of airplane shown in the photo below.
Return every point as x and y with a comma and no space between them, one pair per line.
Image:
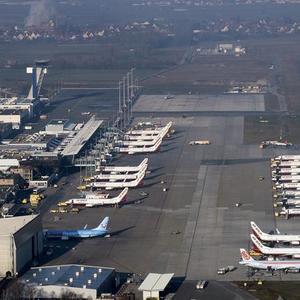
135,201
155,169
153,176
167,150
117,232
148,184
168,144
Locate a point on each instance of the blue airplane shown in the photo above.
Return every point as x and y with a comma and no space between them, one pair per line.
100,230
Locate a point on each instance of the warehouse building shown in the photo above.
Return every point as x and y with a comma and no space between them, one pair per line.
85,281
21,242
154,284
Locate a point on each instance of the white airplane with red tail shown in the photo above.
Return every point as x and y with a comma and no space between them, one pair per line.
292,239
270,265
286,251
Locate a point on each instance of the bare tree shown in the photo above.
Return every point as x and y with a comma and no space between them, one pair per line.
18,290
67,294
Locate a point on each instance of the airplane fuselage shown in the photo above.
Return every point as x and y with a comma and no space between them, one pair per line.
81,233
273,265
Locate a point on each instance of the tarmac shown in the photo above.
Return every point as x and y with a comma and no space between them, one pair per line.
200,103
194,227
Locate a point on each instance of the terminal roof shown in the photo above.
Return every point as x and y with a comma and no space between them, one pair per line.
80,139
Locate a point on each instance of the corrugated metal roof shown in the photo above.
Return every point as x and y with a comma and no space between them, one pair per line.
91,277
156,282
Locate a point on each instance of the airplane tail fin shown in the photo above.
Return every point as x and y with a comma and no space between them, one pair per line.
143,163
122,196
103,225
256,230
245,255
257,244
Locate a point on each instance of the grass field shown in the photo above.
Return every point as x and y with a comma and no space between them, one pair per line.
258,129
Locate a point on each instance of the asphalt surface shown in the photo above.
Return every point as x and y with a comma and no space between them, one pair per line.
201,103
192,229
213,290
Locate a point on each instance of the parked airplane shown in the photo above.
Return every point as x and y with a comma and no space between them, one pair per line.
295,202
140,142
150,131
288,194
123,169
95,199
288,186
140,137
292,251
286,164
290,212
135,149
100,230
109,185
291,171
286,178
286,157
290,238
114,177
268,264
265,144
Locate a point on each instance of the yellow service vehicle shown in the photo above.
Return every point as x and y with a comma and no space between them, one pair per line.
81,187
34,199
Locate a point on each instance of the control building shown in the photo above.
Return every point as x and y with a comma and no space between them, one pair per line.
21,242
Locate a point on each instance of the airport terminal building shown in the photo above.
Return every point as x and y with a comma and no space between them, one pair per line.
21,242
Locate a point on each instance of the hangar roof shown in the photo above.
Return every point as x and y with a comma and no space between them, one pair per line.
9,226
156,282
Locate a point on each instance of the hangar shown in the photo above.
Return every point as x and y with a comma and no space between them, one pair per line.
21,242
